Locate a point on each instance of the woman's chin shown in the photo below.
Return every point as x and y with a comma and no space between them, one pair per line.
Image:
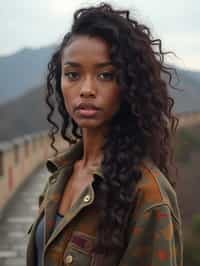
89,124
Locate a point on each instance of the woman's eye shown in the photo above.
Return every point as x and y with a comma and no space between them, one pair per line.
107,76
72,75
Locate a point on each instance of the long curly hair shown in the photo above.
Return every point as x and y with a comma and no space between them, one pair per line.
144,124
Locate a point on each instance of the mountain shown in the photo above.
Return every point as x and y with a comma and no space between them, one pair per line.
187,98
22,105
22,71
23,115
27,69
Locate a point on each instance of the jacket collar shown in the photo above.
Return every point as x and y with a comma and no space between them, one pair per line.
68,158
62,166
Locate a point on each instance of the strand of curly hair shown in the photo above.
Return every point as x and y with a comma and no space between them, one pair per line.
144,124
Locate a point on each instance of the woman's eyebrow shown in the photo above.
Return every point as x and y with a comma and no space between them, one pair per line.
104,64
98,65
73,64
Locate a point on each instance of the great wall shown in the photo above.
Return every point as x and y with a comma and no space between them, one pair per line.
21,156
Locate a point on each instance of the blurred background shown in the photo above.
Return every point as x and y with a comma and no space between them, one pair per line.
30,31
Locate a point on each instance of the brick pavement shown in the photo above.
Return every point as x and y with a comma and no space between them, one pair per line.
17,218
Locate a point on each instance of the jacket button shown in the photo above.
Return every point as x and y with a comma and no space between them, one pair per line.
69,259
86,198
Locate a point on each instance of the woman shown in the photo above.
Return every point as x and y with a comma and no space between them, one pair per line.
110,199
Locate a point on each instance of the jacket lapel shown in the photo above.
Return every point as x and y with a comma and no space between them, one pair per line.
63,165
54,194
78,206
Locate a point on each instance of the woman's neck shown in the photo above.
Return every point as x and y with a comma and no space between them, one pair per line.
92,147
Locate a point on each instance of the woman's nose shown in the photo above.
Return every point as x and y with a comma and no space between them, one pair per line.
88,88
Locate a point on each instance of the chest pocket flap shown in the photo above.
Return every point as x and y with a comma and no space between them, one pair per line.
79,250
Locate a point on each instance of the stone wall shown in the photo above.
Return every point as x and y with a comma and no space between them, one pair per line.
21,156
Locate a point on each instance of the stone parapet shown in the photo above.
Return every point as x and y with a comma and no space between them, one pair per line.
20,157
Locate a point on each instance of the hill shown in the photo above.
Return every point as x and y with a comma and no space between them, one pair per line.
23,115
22,107
27,69
188,98
22,71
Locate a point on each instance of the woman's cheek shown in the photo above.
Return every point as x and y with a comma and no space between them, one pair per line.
68,107
66,102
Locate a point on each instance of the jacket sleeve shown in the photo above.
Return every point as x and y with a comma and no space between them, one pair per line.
155,239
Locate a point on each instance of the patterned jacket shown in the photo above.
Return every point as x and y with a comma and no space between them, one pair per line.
154,231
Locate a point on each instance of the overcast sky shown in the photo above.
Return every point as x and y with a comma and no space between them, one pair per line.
37,23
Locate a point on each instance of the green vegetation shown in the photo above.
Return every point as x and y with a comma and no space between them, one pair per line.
192,244
196,224
187,141
187,146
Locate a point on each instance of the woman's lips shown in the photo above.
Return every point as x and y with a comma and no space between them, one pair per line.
87,112
87,109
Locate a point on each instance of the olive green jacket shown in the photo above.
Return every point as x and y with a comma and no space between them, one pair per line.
154,230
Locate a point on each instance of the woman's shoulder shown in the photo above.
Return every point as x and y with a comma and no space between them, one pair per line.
154,189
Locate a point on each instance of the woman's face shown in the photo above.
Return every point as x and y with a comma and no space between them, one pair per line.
88,82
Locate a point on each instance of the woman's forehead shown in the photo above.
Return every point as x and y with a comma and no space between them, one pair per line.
84,46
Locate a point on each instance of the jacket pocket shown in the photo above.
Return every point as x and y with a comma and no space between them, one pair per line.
79,250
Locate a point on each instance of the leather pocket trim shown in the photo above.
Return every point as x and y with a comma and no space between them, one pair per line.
83,242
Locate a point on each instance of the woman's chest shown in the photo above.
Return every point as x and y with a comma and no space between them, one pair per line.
75,186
